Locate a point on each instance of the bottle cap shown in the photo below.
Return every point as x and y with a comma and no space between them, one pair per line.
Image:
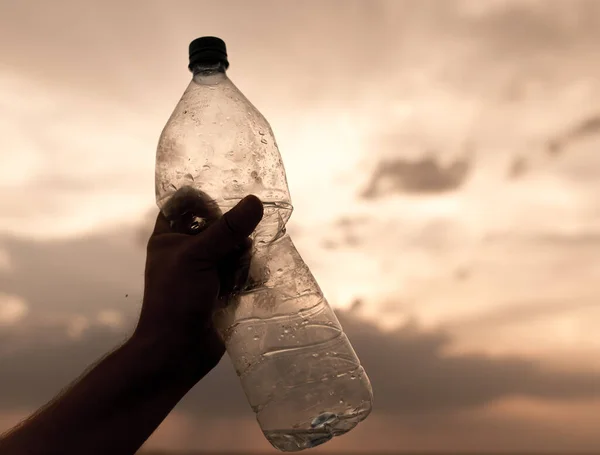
208,49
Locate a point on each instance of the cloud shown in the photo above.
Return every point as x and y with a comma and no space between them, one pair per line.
79,294
530,311
78,156
424,175
88,164
107,120
424,398
82,275
518,167
517,425
409,370
111,318
48,360
12,309
5,263
438,382
76,326
589,127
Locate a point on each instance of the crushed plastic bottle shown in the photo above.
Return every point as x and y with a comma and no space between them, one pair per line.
296,365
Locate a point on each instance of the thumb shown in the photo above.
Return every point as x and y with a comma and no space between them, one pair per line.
224,235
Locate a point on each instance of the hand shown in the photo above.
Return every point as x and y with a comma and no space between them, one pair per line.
186,277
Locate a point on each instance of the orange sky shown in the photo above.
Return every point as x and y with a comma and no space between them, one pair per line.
442,160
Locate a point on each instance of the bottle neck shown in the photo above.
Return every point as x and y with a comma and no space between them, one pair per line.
209,72
209,67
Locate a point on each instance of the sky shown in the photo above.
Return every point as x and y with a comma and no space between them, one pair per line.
442,161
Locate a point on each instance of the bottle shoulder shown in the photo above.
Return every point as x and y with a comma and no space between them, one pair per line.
221,108
223,141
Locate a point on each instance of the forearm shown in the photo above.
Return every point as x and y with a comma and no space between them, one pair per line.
112,409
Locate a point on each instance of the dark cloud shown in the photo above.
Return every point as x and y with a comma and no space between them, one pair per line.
586,241
525,27
518,168
349,240
423,175
346,222
412,376
588,127
408,368
80,275
347,232
428,380
48,361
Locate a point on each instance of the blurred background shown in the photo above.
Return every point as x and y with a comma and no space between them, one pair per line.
443,159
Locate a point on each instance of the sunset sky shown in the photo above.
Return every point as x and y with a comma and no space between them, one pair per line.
443,158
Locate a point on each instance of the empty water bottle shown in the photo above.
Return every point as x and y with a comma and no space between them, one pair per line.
296,365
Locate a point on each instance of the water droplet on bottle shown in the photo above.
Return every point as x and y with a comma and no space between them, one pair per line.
250,328
189,177
353,377
262,133
264,141
342,401
255,337
315,355
286,331
206,167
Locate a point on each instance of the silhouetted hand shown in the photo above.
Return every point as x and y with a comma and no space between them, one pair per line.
190,271
193,263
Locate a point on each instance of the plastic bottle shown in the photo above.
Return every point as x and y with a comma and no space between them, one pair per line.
296,365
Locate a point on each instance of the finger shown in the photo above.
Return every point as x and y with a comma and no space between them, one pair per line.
230,230
233,268
242,271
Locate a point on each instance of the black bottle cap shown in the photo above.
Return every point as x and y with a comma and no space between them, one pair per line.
208,49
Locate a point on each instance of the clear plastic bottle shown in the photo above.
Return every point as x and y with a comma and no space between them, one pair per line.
296,365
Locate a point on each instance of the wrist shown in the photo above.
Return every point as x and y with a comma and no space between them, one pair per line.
174,354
